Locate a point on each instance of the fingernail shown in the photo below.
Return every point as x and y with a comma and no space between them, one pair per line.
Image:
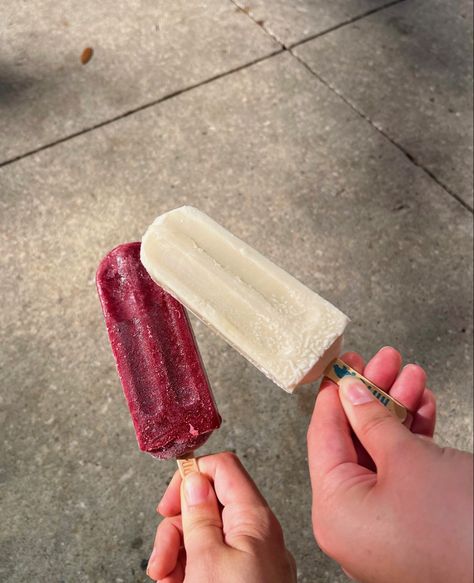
196,488
150,560
355,391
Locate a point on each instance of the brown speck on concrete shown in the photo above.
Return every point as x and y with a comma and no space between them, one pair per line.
260,22
86,55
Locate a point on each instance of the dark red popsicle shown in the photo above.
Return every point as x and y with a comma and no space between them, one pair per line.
157,358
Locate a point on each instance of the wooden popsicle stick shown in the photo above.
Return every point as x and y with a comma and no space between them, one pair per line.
187,465
338,369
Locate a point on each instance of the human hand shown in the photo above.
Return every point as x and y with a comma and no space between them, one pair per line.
388,504
218,528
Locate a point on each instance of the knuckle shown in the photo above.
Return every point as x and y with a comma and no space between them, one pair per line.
162,530
223,458
200,524
259,522
351,356
375,424
229,458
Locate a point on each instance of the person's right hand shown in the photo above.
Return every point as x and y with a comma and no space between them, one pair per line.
218,528
388,504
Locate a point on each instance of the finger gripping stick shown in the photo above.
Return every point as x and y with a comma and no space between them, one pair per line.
338,369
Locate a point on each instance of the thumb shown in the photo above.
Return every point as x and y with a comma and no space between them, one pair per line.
202,523
379,431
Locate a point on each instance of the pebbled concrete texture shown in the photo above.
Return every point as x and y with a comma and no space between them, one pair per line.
144,50
293,22
408,72
282,162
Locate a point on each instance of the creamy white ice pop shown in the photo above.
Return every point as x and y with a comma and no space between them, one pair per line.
285,329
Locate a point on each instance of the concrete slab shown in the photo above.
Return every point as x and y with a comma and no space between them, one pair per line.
409,70
292,22
143,51
281,161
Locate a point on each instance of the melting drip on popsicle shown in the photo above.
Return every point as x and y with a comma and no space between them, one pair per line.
163,379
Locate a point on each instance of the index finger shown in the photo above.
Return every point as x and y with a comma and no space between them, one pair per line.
232,484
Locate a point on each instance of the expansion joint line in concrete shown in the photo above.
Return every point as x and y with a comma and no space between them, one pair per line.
410,156
283,48
288,48
140,108
318,34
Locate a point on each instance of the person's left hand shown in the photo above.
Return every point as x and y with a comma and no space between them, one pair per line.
218,528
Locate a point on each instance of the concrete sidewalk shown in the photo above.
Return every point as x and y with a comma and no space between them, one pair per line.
335,137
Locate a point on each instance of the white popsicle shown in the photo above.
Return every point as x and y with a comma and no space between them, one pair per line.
285,329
